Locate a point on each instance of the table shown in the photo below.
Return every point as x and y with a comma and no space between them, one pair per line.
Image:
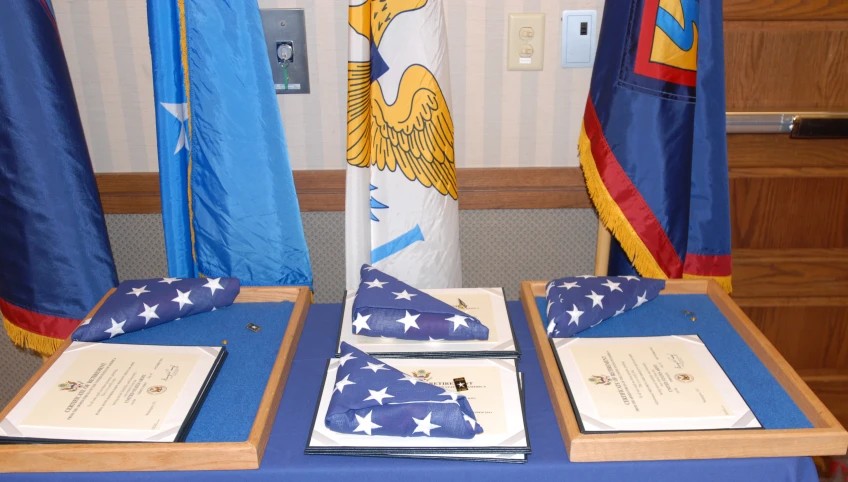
284,458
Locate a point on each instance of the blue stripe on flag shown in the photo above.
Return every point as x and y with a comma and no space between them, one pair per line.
396,245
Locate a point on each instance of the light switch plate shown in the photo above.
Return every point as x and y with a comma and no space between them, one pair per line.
525,46
579,34
286,27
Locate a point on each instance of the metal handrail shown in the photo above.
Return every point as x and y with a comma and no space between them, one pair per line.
773,122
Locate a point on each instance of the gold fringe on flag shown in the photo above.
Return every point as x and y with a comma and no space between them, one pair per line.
44,345
614,220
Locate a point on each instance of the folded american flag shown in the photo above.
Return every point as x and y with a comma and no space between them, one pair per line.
372,398
385,306
139,304
575,304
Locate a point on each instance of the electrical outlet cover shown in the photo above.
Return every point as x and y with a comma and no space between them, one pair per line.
525,30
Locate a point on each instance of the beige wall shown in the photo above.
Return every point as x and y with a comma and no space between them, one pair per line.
502,119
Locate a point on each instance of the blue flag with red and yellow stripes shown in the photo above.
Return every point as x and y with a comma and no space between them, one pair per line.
55,259
653,146
229,206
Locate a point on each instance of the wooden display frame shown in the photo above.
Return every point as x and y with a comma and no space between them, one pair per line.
113,457
826,438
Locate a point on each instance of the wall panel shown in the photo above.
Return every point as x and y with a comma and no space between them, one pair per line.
789,212
786,66
785,10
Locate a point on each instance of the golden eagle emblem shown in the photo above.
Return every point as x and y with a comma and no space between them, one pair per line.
414,133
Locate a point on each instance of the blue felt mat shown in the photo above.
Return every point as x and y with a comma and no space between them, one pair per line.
230,408
663,316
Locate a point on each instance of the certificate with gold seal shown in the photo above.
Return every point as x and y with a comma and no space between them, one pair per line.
115,393
654,383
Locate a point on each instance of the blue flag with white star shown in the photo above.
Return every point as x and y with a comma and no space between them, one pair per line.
139,304
386,306
581,302
229,206
372,398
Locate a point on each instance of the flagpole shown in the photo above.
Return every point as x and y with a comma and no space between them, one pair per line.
602,250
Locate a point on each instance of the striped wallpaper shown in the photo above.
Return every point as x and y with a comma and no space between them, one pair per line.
502,119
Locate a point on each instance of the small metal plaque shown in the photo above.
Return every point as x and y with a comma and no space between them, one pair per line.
252,327
460,384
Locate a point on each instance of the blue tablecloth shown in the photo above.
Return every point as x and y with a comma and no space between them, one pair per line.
284,458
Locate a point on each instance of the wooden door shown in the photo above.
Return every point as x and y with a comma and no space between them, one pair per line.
789,197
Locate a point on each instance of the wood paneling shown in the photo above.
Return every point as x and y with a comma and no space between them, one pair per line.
831,386
774,151
786,66
790,273
505,188
129,193
320,190
789,212
525,188
809,337
785,9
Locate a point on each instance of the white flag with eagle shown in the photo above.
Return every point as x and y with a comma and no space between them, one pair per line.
401,212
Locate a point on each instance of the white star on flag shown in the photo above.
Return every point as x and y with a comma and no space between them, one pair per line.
424,425
551,327
138,291
361,323
365,424
343,383
182,298
575,315
180,112
448,393
596,299
376,283
629,278
641,299
169,280
346,358
470,420
550,303
457,321
116,329
149,312
548,288
568,286
409,378
621,310
403,295
375,367
612,286
408,321
585,276
379,395
214,284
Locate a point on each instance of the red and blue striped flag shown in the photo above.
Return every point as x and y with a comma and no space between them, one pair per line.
653,146
55,259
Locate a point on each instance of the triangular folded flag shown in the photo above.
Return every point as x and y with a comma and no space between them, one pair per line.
139,304
372,398
578,303
385,306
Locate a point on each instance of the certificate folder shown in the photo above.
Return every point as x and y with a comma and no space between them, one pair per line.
683,385
502,409
97,392
487,304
